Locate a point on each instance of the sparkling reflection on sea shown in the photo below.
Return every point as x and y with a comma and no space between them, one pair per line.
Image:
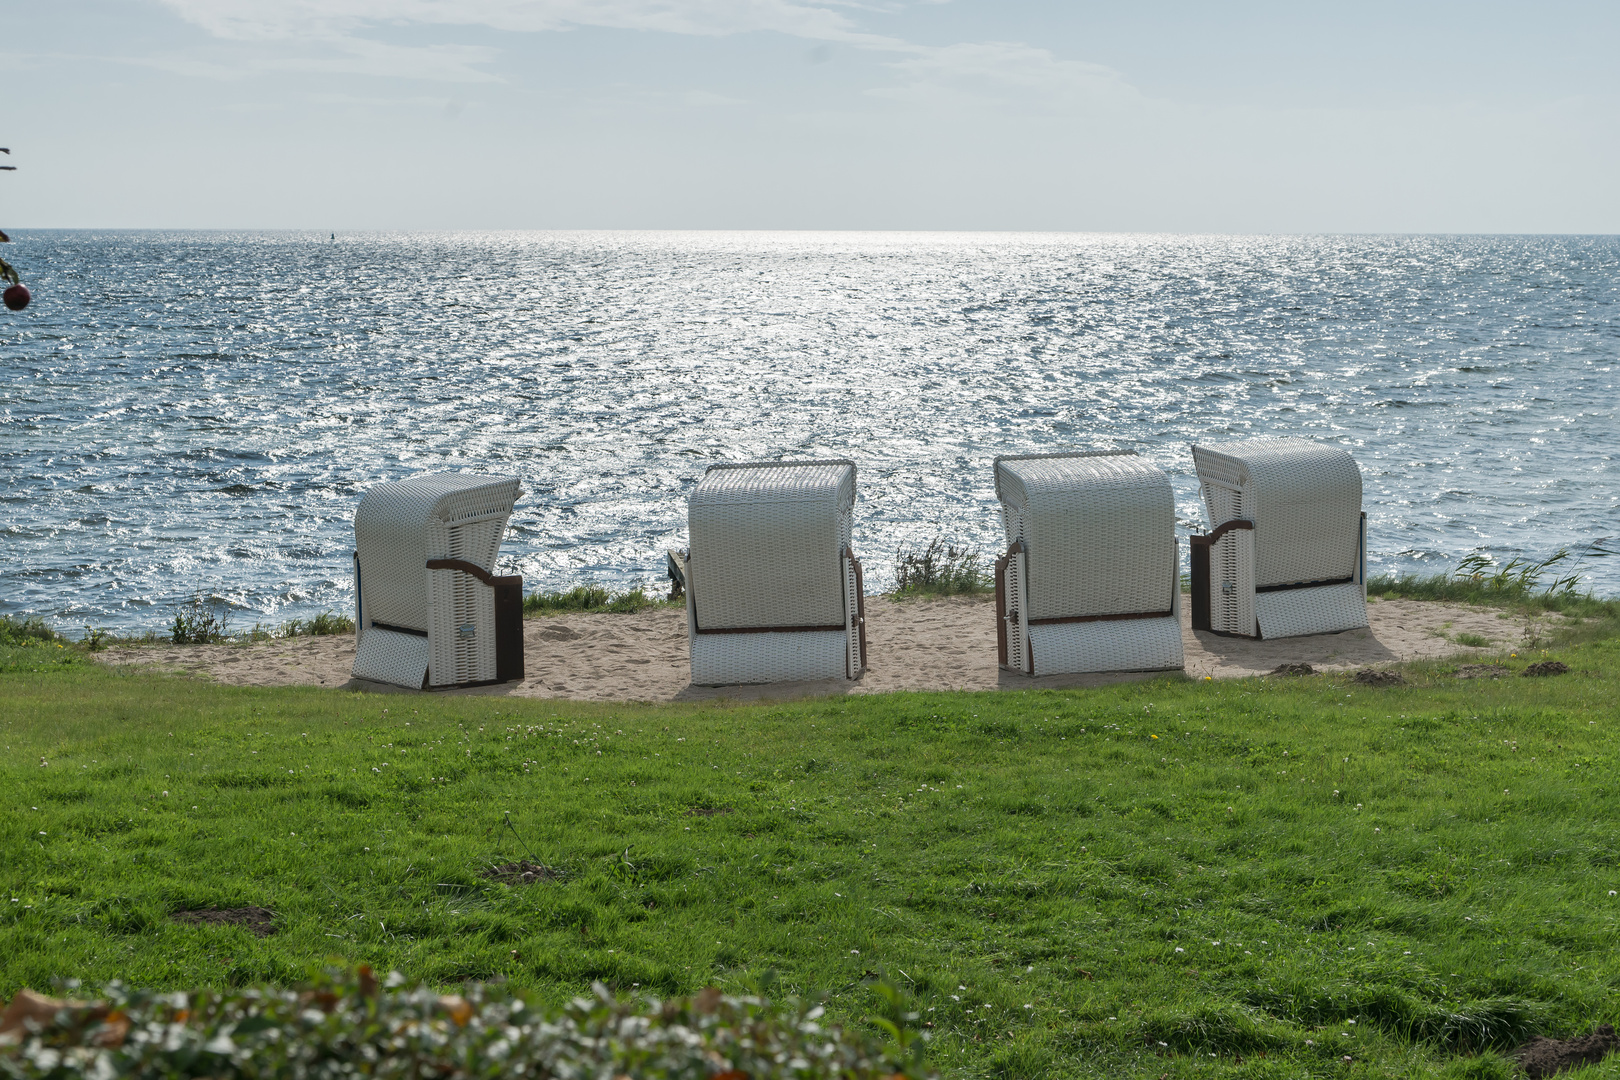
186,412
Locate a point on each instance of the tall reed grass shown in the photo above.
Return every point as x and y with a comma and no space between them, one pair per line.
940,569
1552,586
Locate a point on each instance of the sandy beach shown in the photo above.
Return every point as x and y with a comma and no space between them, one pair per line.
940,644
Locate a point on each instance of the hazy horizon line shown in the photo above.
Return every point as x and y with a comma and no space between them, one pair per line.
844,230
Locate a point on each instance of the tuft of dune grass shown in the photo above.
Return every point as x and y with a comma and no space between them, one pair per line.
593,599
32,630
940,569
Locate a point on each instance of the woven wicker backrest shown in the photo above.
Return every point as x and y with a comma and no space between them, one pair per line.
1304,498
402,524
766,541
1099,531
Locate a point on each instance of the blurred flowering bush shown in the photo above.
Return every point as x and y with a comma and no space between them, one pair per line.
350,1026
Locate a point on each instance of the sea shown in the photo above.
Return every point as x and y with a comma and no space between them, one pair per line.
196,414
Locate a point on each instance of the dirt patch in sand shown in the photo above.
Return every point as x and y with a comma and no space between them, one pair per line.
260,922
1292,669
943,644
522,872
1546,1057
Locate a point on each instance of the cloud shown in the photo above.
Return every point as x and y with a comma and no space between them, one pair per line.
704,99
996,69
251,20
341,36
337,35
359,56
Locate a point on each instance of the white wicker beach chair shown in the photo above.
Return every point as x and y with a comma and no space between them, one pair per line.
1091,579
773,590
429,612
1287,549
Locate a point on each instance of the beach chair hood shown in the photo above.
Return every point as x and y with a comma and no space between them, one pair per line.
1286,553
779,531
1090,579
773,589
1081,517
1304,498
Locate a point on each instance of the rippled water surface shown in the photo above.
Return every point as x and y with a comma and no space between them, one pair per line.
192,411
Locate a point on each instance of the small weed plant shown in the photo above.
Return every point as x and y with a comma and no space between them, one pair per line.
200,622
940,569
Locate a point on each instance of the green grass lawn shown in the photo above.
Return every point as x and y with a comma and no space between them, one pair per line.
1248,878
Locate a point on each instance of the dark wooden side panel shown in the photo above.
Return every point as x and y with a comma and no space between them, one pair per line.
860,605
1200,582
508,628
1001,611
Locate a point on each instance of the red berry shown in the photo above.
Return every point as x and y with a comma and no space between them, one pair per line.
17,297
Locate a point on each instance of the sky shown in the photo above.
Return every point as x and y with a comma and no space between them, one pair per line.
1158,116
